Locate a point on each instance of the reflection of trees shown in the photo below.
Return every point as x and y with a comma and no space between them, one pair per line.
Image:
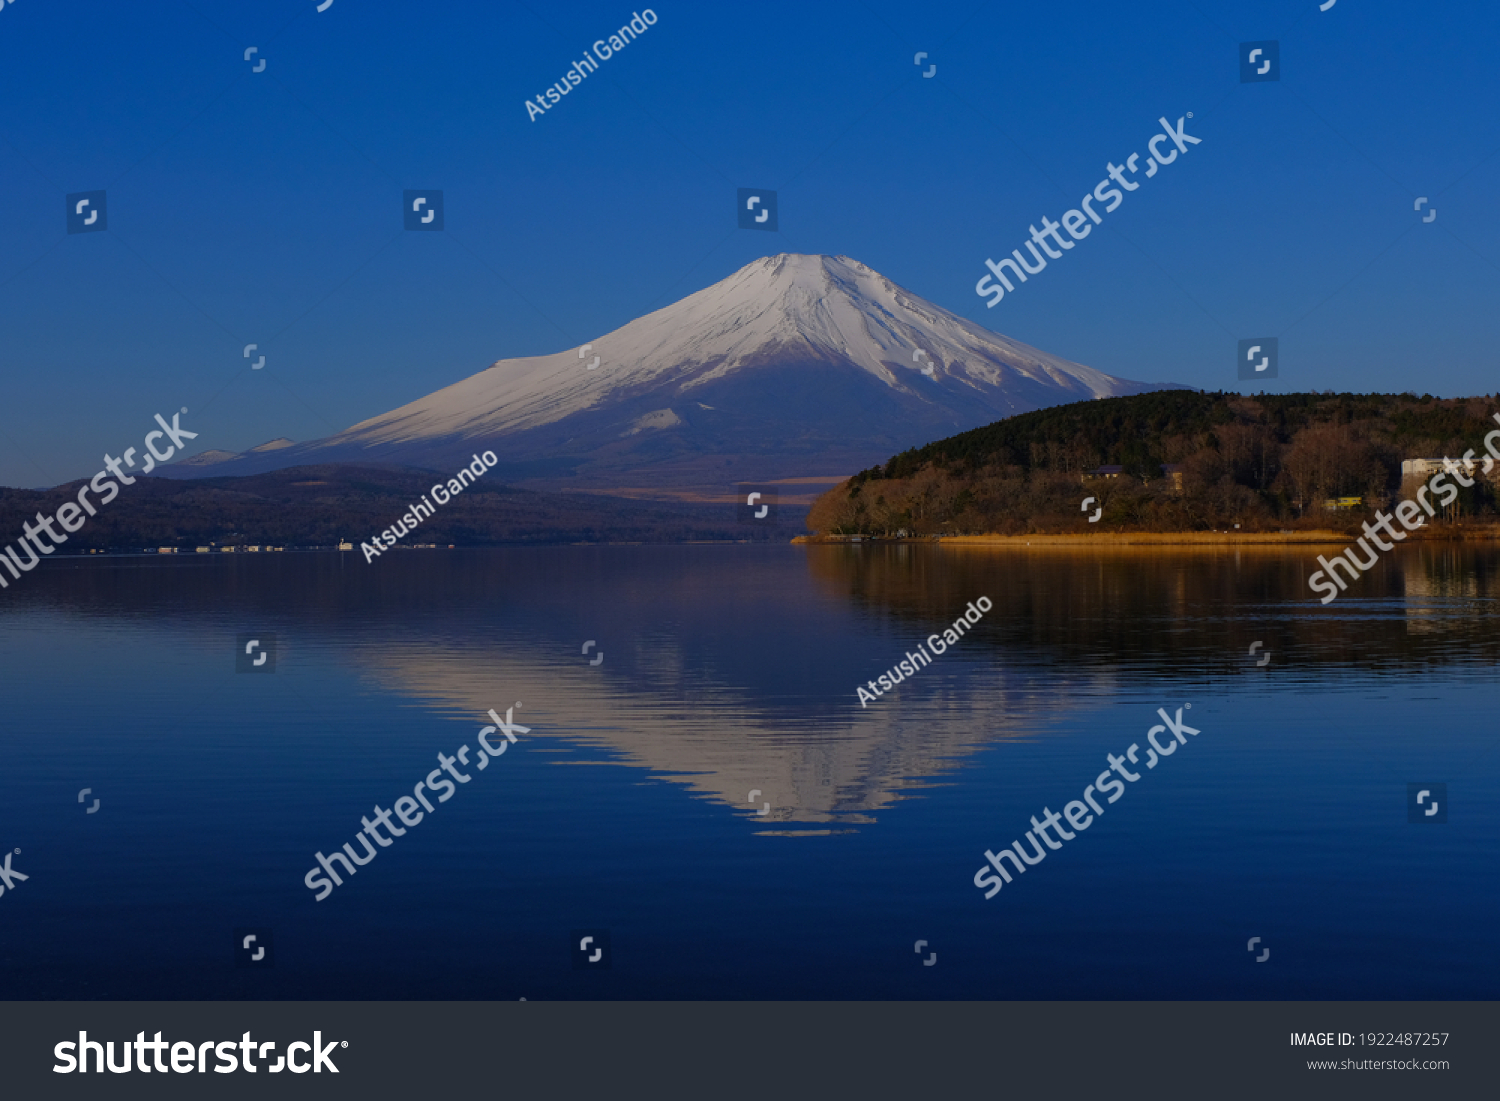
1181,611
1451,591
728,668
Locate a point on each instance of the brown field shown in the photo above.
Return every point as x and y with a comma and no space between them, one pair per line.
1114,539
1153,539
1459,533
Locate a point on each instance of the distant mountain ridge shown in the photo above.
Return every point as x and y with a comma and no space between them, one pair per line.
794,365
328,504
215,456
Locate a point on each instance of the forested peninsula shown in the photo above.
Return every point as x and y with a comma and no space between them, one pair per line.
1180,461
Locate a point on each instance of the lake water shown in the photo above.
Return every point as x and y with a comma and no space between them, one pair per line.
627,806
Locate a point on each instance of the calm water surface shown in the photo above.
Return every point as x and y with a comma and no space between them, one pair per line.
731,668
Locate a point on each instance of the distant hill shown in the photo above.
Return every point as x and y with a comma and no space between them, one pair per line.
1258,462
217,457
325,504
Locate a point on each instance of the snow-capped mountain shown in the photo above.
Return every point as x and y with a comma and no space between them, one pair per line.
792,365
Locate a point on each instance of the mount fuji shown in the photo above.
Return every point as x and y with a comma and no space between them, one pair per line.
794,366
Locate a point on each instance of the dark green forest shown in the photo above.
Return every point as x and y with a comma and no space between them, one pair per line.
1266,463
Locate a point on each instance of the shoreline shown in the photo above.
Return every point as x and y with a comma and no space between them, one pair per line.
1157,539
1145,539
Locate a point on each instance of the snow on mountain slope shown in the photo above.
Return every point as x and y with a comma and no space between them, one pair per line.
827,308
792,366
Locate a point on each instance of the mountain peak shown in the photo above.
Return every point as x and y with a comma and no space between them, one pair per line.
790,354
274,445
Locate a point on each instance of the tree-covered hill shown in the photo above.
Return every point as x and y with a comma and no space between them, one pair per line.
1261,462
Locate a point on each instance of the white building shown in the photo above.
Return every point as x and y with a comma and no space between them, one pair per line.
1425,468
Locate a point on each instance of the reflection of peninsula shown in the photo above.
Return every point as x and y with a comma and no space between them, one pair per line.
1178,611
729,669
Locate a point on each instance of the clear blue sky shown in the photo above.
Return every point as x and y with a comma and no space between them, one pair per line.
265,207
